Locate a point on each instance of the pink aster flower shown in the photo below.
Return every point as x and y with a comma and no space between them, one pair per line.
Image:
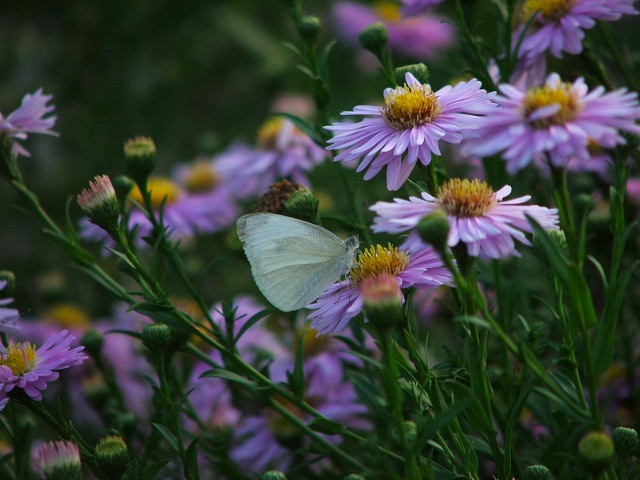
421,36
28,118
411,265
559,25
478,216
414,7
409,127
28,368
558,120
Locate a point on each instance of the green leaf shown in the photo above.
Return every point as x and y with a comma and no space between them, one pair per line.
303,125
231,376
168,436
296,378
324,425
556,259
191,461
252,321
472,320
151,470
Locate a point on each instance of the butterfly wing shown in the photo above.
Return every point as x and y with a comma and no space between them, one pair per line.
292,261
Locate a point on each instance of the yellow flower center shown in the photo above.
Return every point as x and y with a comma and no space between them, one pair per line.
20,358
161,189
378,260
561,95
68,316
268,133
388,11
406,107
613,373
201,177
464,198
550,10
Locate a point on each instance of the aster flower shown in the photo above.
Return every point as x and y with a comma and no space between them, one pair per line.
559,120
559,24
413,7
24,366
28,118
409,127
412,266
477,215
7,315
421,36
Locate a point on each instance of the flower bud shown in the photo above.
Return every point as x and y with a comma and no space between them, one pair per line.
273,201
10,278
353,476
273,475
375,38
100,204
112,457
434,229
93,342
59,461
418,70
140,158
597,449
123,186
156,337
625,441
303,205
309,28
382,299
536,472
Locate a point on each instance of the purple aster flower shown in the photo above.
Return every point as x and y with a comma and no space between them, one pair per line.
559,25
7,315
558,120
409,127
412,266
478,216
422,36
24,366
28,118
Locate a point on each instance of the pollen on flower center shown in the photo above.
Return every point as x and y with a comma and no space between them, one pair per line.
562,95
549,9
378,260
388,11
407,107
201,177
20,358
161,189
68,316
268,133
313,344
464,198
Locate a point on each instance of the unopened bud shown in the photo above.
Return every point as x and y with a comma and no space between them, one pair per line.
536,472
100,204
375,38
93,342
10,279
140,158
123,186
353,476
418,70
273,475
156,337
597,449
309,28
625,441
382,299
434,229
303,205
112,457
59,461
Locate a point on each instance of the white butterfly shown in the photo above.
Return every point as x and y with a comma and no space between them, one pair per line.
293,261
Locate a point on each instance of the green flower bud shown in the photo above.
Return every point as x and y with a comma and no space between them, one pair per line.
303,205
123,186
418,70
434,229
536,472
625,441
309,28
93,342
157,337
140,158
112,457
10,278
597,449
273,475
375,38
353,476
382,300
